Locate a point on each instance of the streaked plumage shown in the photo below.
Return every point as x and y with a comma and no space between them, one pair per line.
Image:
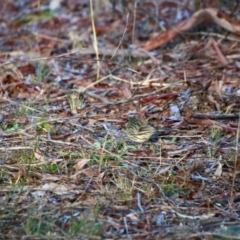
140,131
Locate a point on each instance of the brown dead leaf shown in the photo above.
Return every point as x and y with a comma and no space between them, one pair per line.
23,120
218,172
133,217
208,122
39,157
222,59
126,92
16,88
27,69
108,28
91,172
157,97
81,163
195,195
212,14
101,175
21,173
55,188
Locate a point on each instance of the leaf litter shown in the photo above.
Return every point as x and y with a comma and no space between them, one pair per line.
67,166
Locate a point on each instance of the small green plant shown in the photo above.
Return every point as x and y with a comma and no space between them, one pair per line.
172,189
53,167
85,227
39,225
42,72
125,185
10,127
43,127
215,137
26,157
32,16
216,133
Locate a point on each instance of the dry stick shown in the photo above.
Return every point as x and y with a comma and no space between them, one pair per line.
218,35
226,200
138,53
101,155
95,45
134,22
56,39
38,59
125,30
214,116
148,76
235,165
141,53
14,148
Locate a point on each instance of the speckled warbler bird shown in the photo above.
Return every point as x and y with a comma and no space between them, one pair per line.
140,131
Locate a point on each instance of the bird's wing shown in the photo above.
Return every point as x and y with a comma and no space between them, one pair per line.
146,128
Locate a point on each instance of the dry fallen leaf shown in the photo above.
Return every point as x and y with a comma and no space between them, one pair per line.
55,188
81,163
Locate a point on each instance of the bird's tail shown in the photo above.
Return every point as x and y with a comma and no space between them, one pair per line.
159,133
